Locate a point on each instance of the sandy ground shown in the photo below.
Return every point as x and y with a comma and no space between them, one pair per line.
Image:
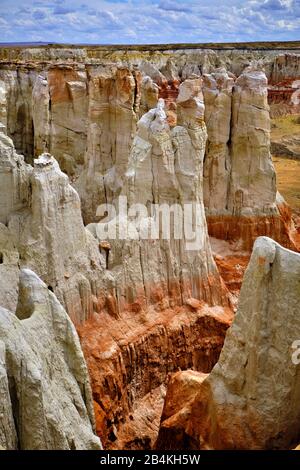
288,170
285,126
288,180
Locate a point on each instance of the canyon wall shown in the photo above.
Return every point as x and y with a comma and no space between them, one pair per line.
51,87
164,282
42,229
131,357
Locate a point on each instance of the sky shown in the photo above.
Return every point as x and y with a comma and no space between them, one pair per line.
148,21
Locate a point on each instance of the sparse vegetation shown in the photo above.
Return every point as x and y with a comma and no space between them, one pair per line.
262,45
288,180
285,126
287,169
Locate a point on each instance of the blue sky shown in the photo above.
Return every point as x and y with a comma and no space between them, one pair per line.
148,21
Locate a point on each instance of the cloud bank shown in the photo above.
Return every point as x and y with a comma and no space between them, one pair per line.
147,21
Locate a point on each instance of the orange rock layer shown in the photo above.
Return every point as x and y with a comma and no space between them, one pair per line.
182,391
211,290
247,229
169,91
283,97
232,269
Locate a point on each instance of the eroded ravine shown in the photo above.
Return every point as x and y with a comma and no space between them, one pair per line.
131,357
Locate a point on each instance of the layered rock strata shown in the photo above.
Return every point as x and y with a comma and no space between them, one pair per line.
85,116
256,377
20,67
217,91
42,229
139,300
114,98
46,400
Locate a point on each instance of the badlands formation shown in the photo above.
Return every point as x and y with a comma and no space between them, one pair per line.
118,341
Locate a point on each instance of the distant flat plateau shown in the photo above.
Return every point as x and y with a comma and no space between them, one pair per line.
289,45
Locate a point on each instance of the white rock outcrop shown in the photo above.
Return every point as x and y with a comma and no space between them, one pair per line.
16,114
165,167
46,400
41,115
149,95
8,435
255,374
252,177
217,91
239,175
68,118
240,192
113,102
14,179
3,105
45,232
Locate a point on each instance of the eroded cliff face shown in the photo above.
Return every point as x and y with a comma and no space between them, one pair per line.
131,357
161,281
165,170
43,230
155,129
113,95
217,90
69,70
234,407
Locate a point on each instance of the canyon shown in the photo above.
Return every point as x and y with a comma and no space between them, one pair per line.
86,129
